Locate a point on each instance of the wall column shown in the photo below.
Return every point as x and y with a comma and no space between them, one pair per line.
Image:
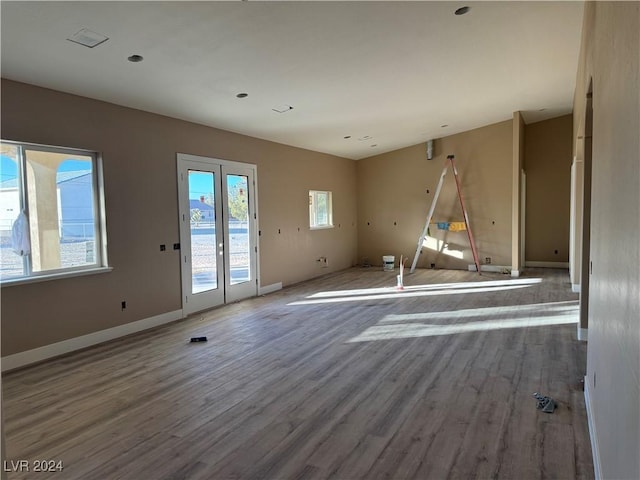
517,246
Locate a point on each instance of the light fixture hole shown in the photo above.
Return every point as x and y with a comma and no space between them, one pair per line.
462,10
135,58
242,95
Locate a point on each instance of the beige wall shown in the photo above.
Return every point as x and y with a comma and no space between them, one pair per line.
547,162
610,54
139,152
393,201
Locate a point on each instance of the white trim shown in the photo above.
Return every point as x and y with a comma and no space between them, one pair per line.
515,273
534,264
55,276
575,287
582,333
489,268
592,431
28,357
274,287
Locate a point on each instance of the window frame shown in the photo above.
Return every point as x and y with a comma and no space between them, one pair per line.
313,211
99,213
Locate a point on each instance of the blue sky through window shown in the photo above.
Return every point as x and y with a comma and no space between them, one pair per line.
200,183
9,168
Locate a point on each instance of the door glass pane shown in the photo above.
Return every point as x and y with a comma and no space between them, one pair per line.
204,274
238,224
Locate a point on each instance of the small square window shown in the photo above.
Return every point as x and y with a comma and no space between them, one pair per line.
320,209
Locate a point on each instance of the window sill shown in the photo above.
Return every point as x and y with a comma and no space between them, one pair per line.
321,227
54,276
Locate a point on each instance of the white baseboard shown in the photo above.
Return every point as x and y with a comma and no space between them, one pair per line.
575,287
17,360
592,431
515,273
534,264
490,268
582,333
274,287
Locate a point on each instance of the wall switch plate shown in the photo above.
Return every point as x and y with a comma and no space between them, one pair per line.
163,248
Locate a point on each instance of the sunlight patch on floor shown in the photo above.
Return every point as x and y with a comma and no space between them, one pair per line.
392,293
537,315
434,286
560,308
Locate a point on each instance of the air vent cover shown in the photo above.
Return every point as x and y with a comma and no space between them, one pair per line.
88,38
282,108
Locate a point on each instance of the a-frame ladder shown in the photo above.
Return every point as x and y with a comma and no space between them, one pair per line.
449,161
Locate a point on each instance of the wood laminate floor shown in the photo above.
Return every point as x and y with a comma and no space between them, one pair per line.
341,377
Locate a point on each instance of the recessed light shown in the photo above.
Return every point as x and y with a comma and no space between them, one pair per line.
347,136
462,10
444,126
242,95
88,38
135,58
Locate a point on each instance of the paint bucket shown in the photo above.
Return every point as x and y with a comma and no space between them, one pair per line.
388,261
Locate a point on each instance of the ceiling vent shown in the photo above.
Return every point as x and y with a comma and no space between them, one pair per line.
88,38
282,108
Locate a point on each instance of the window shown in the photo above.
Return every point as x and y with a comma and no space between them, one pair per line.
51,212
320,209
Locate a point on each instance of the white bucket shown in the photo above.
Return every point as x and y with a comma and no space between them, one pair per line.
388,261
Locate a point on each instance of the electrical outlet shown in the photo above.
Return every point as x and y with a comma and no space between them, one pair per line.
124,305
487,260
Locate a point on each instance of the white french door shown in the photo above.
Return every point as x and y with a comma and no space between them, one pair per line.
218,231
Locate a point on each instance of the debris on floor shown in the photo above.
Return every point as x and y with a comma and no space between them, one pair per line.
546,404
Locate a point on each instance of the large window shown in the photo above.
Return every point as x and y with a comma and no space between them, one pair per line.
51,214
320,209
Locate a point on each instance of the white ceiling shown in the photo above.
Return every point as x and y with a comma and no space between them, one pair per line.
392,71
